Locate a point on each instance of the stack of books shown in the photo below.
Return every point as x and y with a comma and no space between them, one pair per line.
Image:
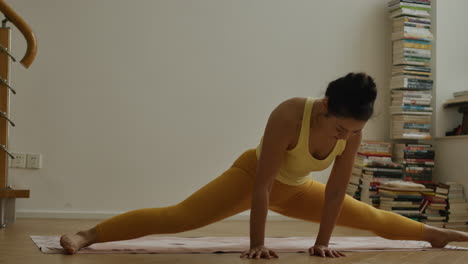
411,126
411,82
417,159
458,98
353,188
413,8
460,93
373,165
405,201
457,206
434,206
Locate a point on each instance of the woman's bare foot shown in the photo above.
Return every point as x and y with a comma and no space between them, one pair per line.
73,243
440,237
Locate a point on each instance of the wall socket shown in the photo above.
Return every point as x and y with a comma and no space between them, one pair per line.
33,161
26,161
19,161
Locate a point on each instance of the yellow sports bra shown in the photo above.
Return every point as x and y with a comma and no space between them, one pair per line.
298,162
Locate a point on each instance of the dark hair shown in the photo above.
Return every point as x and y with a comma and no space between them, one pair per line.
352,96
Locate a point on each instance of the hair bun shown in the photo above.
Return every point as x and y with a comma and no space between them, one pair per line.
352,95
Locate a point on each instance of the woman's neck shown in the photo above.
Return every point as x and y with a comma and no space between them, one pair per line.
318,116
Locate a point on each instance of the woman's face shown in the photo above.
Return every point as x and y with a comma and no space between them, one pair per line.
344,128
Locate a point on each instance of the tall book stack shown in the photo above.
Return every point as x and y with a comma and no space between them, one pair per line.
458,207
417,159
373,165
411,82
410,119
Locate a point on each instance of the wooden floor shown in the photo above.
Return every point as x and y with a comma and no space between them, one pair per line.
17,247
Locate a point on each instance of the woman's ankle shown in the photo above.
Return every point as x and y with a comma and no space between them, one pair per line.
90,235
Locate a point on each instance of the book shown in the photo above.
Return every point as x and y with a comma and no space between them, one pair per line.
406,102
409,12
412,43
405,61
397,54
411,126
410,73
415,6
411,68
400,26
412,113
413,30
416,97
423,52
403,189
409,19
413,93
407,82
460,93
406,107
411,136
410,58
424,2
412,35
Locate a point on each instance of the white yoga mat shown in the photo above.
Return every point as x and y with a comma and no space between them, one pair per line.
184,245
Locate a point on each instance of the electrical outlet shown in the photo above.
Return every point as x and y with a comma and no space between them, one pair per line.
19,161
33,161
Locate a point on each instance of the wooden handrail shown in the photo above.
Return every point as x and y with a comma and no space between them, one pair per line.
12,16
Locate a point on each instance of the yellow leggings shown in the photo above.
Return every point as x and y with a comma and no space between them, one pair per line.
231,193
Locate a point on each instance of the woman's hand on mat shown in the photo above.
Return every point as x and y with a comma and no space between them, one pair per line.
259,252
325,251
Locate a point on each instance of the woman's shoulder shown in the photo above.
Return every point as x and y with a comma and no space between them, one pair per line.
292,109
287,117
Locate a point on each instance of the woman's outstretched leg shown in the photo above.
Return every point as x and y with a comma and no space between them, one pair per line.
307,202
226,195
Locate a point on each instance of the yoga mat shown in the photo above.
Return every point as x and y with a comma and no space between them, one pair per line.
183,245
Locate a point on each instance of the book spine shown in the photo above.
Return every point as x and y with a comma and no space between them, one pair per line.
408,62
412,85
416,25
412,93
412,50
409,11
417,20
410,103
421,2
407,35
412,44
410,55
416,7
414,57
418,30
415,107
414,126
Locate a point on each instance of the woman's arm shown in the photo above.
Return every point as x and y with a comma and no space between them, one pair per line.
335,189
279,130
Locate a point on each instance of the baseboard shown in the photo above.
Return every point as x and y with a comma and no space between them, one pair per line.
245,216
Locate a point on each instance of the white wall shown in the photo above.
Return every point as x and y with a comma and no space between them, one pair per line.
451,75
138,104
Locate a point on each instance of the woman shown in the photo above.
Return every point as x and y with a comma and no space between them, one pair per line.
302,135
